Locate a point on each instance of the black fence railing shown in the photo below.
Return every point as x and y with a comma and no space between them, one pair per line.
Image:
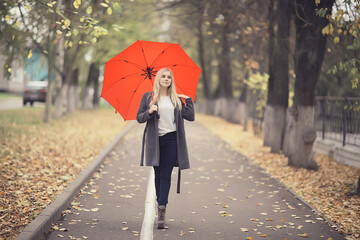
338,119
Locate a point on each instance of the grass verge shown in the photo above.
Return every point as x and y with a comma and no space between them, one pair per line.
8,96
38,161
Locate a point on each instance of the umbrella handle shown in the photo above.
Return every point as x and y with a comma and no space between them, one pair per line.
157,113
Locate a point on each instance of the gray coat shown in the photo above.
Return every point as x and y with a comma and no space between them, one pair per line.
150,145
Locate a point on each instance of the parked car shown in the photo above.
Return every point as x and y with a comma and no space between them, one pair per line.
35,91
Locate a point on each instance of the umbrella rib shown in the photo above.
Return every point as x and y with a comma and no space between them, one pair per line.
143,52
177,65
132,96
117,81
118,60
157,58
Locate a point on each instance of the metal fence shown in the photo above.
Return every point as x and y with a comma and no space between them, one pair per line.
256,115
338,119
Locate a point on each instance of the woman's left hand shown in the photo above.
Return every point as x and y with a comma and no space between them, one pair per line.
183,96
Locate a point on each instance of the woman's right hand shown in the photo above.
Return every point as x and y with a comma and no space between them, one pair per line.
153,108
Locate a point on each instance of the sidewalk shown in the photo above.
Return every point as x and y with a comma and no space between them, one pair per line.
222,197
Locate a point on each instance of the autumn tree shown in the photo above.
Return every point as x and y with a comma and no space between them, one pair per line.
69,23
81,29
309,52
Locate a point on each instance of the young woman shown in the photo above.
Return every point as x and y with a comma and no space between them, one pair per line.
164,143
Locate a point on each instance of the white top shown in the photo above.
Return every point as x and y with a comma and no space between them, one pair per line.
167,118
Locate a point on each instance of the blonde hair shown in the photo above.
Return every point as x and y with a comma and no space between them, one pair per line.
171,91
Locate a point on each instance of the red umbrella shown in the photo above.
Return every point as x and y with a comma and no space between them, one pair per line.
132,72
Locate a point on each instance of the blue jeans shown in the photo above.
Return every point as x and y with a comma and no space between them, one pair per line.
168,157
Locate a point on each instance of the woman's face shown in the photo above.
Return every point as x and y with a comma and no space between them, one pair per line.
165,79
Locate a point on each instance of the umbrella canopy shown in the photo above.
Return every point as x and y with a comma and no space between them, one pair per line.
131,73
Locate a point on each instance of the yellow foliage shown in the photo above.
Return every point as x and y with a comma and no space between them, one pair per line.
30,54
77,4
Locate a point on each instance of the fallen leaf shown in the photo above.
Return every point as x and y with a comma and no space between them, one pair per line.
304,235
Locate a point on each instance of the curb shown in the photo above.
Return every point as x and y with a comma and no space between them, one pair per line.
42,223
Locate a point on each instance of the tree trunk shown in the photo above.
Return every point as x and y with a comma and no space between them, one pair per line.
96,87
225,63
267,114
48,102
278,91
72,91
309,53
302,136
86,103
61,98
206,87
61,101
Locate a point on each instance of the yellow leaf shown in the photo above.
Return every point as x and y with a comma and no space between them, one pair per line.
18,24
325,30
249,238
9,69
89,10
109,11
30,54
77,4
82,19
59,32
104,5
28,7
304,235
263,235
7,18
336,40
317,2
67,22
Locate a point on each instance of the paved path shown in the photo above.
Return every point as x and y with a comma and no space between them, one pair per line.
223,197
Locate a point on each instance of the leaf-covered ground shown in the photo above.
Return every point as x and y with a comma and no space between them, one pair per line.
326,189
38,161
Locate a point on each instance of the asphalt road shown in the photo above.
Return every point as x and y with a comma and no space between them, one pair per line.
223,197
16,103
